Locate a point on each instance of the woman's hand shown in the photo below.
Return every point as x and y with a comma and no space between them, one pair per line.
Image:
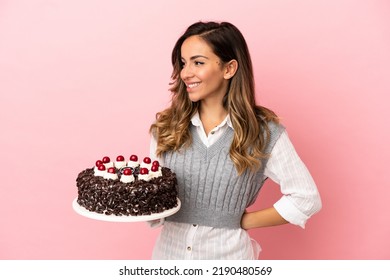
156,223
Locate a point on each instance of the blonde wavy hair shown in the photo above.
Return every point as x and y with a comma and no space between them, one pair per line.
250,121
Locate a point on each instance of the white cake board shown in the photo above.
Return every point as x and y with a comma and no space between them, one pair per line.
127,219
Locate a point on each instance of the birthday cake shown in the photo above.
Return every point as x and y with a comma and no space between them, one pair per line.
127,188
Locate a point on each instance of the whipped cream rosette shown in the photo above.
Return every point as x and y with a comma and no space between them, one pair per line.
133,162
111,174
120,162
127,175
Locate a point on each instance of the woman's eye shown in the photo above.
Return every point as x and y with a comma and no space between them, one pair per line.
199,63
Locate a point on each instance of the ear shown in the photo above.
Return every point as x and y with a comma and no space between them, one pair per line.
230,69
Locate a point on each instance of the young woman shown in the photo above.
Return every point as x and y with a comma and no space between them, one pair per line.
222,147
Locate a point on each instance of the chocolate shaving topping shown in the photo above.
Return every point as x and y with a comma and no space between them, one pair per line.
112,197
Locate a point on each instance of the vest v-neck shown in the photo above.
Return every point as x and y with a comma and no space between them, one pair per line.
224,140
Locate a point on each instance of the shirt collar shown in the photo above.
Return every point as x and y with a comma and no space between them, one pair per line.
195,120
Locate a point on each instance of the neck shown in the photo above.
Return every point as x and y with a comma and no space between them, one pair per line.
211,115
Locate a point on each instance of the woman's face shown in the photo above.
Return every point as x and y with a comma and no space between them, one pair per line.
202,72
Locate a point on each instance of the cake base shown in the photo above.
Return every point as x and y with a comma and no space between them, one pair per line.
127,219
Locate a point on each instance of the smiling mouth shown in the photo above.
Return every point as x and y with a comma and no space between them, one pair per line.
193,85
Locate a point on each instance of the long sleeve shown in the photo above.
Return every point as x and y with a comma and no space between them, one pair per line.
153,149
300,198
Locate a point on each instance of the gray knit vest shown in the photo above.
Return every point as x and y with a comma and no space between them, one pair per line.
210,190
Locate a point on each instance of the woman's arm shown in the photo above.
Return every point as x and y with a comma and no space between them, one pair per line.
300,198
262,218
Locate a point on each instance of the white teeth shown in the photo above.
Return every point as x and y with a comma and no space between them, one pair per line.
193,85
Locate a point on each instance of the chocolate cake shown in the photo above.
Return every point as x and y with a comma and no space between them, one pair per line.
127,188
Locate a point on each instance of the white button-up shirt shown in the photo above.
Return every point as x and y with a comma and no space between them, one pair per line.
300,200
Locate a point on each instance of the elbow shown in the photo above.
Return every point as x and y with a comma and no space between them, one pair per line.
315,205
319,204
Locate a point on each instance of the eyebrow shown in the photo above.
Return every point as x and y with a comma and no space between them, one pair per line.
196,56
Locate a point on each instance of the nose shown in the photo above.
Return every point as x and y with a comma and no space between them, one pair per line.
186,72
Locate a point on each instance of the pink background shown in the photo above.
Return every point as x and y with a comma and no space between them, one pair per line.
83,79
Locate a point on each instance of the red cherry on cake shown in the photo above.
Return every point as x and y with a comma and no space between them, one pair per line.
101,167
154,168
156,163
134,158
106,160
147,160
111,170
144,171
98,162
120,158
127,172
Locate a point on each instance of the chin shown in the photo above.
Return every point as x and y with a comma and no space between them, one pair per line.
193,98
